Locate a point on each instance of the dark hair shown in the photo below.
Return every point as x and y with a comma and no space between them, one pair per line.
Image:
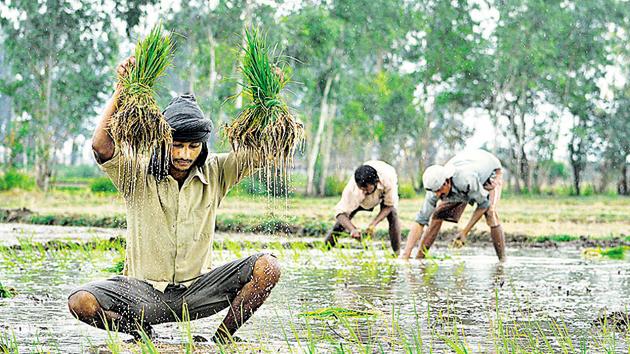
365,175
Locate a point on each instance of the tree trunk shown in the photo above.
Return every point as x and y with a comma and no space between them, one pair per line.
576,178
536,178
367,151
247,20
316,141
191,79
43,145
74,154
327,148
622,187
423,147
576,152
213,64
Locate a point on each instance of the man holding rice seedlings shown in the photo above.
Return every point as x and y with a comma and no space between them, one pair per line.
171,219
473,176
374,183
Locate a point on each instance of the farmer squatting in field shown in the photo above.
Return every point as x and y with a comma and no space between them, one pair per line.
171,219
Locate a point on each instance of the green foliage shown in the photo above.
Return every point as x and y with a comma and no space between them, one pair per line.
103,184
117,268
7,292
13,179
68,50
263,82
337,312
614,252
258,185
77,173
406,190
556,238
618,253
334,186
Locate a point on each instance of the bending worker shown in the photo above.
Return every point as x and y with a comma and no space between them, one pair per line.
473,176
374,183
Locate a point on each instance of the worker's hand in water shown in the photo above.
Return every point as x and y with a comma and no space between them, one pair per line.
459,241
356,234
369,232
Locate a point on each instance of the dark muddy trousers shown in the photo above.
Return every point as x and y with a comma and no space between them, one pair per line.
392,219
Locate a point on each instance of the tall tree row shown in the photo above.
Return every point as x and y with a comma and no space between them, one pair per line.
398,81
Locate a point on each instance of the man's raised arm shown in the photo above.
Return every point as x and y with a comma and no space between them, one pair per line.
102,143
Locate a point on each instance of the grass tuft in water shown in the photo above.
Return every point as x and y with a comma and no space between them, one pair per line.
618,252
7,291
338,312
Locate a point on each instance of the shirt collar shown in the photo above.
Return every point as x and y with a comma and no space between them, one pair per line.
197,172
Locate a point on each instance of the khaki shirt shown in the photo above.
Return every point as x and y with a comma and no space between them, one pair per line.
170,231
386,191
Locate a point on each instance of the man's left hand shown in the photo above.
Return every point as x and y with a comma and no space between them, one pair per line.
370,231
459,241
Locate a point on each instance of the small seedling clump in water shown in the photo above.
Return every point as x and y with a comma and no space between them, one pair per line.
337,312
7,291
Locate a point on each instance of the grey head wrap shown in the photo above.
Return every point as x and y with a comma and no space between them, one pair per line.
189,125
187,120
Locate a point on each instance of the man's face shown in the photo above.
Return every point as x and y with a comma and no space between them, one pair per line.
444,190
183,155
368,189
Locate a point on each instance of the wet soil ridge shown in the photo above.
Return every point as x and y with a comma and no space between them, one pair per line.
303,227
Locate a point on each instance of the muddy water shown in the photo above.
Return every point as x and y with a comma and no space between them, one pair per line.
533,285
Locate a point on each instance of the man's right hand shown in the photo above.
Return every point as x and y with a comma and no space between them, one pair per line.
459,241
124,67
356,234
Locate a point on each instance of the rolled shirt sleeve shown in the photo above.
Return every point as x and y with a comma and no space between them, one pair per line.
390,191
430,201
120,173
233,167
350,199
111,167
479,195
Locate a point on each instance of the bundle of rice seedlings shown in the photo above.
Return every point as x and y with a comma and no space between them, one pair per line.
265,128
138,127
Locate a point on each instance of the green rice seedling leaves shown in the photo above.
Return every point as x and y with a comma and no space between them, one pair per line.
8,343
7,291
265,128
138,127
117,268
337,312
618,252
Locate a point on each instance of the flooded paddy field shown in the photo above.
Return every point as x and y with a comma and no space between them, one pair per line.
540,300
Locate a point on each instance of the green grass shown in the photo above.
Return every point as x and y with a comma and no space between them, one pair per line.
117,268
618,253
337,312
7,291
556,238
539,219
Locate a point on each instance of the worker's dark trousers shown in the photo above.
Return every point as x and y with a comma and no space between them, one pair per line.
394,229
